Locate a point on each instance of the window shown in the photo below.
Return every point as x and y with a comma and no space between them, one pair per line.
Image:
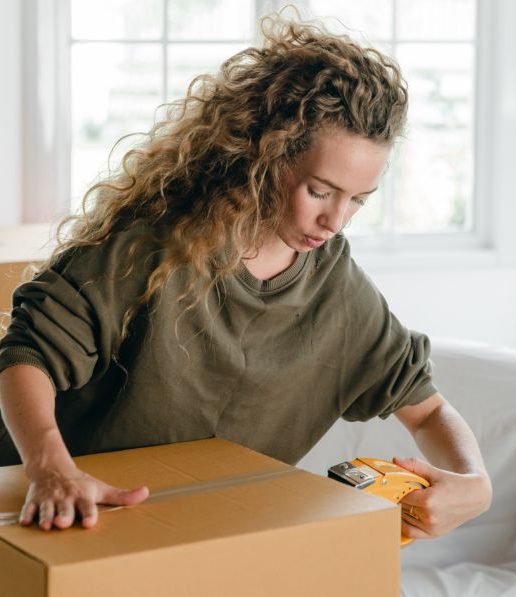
139,55
429,186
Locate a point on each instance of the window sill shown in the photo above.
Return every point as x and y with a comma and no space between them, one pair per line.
28,242
427,260
33,242
425,253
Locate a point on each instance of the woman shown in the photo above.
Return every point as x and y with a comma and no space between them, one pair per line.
207,290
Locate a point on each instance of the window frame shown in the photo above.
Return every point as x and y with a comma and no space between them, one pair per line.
45,110
46,144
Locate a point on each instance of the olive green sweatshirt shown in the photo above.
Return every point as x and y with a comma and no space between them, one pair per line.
267,364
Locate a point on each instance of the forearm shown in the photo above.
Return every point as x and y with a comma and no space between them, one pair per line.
58,490
448,443
460,488
27,403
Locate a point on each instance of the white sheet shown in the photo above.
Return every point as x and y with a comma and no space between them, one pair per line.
480,381
465,580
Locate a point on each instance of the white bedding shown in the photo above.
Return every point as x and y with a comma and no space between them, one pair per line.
466,579
479,558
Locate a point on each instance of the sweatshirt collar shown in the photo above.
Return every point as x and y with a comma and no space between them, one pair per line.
278,282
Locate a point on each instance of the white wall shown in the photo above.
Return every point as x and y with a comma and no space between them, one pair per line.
10,111
478,304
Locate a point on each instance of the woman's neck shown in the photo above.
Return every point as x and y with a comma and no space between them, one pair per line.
271,259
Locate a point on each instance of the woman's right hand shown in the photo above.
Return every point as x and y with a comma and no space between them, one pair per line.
58,490
58,495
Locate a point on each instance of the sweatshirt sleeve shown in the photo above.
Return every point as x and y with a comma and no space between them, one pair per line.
67,321
394,367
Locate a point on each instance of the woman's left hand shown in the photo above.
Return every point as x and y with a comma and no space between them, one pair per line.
452,499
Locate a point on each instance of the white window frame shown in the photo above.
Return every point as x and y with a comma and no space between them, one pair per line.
492,243
46,143
45,109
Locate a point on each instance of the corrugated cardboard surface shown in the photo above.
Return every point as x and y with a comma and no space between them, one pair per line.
231,522
10,277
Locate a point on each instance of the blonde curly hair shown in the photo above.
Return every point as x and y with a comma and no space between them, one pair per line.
208,178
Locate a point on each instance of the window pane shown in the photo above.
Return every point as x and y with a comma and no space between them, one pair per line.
434,182
185,61
116,19
211,19
436,19
372,216
373,18
115,91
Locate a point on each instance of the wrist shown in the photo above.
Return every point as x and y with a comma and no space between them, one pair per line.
485,489
50,453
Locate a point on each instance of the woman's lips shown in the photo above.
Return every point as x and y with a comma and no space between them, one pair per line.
314,242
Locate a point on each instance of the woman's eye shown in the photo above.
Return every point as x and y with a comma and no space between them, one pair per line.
358,200
317,195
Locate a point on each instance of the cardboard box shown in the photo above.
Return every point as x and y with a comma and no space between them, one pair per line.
10,277
222,520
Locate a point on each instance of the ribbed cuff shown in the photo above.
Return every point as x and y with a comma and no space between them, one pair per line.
423,392
23,355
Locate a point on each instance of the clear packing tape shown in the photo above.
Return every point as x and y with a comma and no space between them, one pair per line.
9,518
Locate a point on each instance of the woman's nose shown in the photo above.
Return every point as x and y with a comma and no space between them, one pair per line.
334,219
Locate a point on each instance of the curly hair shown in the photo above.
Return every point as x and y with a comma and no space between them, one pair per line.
208,177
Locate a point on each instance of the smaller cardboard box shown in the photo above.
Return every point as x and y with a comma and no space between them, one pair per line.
222,520
11,275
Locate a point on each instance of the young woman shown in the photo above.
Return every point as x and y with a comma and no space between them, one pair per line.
207,290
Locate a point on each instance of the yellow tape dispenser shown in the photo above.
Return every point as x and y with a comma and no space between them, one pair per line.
379,477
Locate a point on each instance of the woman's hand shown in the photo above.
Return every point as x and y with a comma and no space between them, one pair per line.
59,494
451,500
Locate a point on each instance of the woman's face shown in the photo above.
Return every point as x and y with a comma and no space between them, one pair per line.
328,185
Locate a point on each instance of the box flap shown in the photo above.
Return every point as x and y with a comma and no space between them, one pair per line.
266,495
